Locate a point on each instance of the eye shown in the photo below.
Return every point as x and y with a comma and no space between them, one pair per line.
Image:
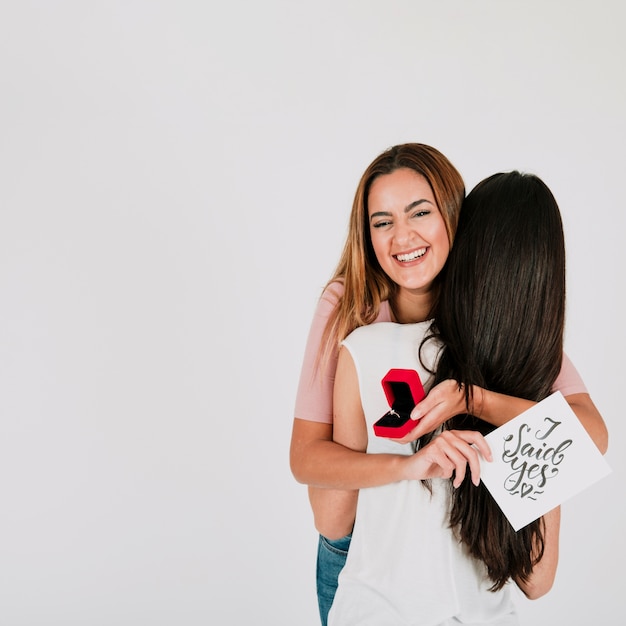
421,213
381,224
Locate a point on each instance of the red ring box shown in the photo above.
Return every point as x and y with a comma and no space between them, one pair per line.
403,389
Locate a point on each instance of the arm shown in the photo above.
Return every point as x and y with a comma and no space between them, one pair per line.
335,470
446,400
319,461
334,510
493,409
544,573
451,452
590,418
315,459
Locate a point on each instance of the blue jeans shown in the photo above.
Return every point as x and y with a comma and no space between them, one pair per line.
331,557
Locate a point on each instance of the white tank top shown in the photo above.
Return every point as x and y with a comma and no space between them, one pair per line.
404,564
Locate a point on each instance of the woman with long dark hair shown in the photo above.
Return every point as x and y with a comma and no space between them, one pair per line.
439,550
501,319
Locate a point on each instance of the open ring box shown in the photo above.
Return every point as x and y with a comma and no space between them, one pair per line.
403,389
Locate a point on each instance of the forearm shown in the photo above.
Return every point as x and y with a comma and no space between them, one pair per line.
544,572
498,409
327,464
590,418
452,453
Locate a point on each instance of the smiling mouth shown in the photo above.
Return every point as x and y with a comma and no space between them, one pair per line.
411,256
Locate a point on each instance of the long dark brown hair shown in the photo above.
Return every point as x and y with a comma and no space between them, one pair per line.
500,316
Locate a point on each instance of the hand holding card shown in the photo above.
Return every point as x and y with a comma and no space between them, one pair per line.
541,458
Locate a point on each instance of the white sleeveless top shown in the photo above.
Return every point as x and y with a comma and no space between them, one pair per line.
404,564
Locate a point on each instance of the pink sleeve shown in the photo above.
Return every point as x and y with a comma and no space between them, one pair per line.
314,399
568,381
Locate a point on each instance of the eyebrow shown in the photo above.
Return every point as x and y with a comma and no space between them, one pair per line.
407,208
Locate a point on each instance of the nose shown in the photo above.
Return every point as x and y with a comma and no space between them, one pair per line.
405,233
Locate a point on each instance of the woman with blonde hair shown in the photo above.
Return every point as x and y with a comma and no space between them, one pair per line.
402,226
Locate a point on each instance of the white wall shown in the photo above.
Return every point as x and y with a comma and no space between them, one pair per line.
176,181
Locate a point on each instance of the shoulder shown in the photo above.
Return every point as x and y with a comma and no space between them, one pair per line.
569,381
333,292
332,295
371,332
386,332
326,303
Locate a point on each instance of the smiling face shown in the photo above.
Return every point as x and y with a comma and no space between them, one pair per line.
407,230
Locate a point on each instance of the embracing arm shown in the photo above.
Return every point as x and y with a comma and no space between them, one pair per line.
318,461
446,400
544,572
590,418
493,409
334,509
315,459
336,469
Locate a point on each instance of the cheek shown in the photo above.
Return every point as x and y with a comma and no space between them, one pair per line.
440,236
444,248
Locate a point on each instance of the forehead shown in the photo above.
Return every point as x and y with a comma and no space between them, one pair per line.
398,189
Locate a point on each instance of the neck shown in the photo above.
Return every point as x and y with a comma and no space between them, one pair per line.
410,308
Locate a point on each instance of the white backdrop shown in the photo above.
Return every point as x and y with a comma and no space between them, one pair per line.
176,178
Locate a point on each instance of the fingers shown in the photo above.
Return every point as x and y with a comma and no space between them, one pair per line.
476,439
452,452
443,402
429,414
413,435
461,453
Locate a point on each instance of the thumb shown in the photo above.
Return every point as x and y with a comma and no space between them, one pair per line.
420,409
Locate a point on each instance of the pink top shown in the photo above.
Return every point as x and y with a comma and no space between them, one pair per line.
314,399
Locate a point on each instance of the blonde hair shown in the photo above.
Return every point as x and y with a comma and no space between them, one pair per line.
365,283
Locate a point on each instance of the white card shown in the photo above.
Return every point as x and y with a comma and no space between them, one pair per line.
540,459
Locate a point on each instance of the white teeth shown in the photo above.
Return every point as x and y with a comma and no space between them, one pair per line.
411,256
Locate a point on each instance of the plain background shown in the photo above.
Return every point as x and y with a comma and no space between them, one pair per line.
176,178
